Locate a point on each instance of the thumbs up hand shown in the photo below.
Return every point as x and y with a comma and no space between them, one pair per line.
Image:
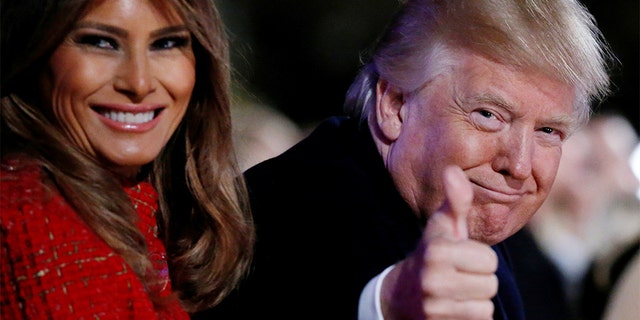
449,276
450,220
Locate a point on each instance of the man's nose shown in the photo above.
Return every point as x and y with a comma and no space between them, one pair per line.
516,155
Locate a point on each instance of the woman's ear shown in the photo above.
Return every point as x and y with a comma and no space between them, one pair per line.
389,103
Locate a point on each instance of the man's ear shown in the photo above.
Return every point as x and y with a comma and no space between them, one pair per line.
389,103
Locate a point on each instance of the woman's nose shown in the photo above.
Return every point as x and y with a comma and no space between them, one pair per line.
134,76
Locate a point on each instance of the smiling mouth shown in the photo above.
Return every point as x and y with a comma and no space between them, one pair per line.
499,195
129,117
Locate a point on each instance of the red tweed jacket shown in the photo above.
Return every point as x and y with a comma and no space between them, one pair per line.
52,266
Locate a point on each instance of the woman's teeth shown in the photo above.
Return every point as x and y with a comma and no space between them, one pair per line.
129,117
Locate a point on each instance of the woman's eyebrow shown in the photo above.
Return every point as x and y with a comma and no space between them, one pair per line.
124,33
170,30
103,27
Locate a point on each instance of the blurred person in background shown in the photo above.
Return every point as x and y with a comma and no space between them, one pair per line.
621,302
260,131
617,225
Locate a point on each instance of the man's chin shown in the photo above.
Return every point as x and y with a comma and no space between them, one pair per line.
491,231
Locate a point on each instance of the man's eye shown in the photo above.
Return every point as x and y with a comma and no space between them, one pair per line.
486,120
548,130
171,43
486,114
97,41
553,135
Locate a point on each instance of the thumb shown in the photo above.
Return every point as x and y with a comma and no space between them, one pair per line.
451,219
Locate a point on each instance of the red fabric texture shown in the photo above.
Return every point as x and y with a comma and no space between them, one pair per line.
54,267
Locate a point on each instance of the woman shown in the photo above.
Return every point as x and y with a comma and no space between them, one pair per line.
120,195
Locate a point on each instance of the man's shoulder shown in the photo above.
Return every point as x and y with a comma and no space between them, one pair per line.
329,143
329,169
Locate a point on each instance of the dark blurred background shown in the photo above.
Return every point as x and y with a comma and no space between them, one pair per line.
299,56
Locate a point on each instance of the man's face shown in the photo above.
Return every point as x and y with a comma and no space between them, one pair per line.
503,127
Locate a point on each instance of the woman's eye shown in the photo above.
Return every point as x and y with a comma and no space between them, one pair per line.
97,41
171,43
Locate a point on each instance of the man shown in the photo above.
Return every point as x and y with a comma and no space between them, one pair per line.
453,141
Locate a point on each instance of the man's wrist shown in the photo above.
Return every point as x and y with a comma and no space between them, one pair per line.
370,305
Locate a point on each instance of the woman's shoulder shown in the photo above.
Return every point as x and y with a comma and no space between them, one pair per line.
21,183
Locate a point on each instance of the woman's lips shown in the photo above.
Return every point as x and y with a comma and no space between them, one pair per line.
130,118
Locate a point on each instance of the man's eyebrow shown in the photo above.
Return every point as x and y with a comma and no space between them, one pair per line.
562,121
124,33
566,122
492,99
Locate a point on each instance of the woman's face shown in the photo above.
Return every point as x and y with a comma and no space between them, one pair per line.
121,81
